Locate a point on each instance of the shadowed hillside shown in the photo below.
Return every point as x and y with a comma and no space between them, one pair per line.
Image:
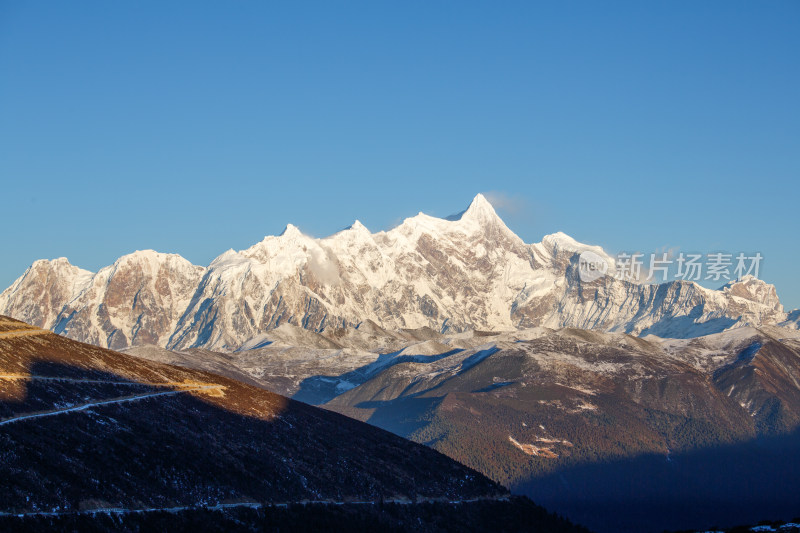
84,429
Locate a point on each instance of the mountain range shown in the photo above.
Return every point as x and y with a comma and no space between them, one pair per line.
465,272
625,406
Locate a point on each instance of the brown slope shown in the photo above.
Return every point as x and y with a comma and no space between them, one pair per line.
598,425
174,436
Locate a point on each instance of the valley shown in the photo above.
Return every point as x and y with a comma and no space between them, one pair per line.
583,422
85,432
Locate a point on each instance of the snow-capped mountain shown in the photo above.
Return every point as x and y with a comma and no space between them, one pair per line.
468,271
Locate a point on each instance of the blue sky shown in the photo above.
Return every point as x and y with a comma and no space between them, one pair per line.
196,127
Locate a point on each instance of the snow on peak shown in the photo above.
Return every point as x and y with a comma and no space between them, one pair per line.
560,241
59,265
357,226
153,259
354,233
481,205
557,243
465,271
477,218
754,289
229,258
745,280
479,209
563,241
57,262
140,254
291,231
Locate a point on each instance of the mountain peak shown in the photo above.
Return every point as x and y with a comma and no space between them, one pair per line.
754,289
59,261
559,243
291,231
357,226
562,240
151,257
479,210
480,201
468,271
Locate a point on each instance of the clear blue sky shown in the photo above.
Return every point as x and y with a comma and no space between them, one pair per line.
196,127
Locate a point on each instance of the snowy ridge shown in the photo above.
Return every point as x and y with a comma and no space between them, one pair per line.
468,271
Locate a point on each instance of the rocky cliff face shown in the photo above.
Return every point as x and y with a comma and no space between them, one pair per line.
465,272
137,300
